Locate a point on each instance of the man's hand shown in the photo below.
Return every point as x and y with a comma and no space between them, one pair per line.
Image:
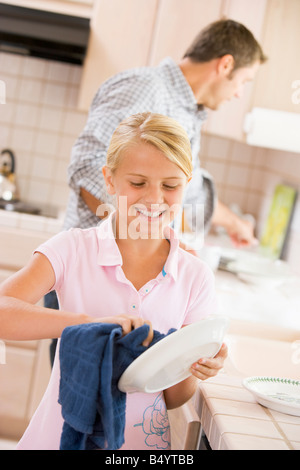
240,231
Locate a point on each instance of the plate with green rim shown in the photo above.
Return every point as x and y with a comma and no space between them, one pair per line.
279,394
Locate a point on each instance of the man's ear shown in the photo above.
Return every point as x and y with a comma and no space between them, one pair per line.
226,65
107,174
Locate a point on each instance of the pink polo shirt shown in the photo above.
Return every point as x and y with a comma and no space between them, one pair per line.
89,279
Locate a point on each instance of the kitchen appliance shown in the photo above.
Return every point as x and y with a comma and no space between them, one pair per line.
8,188
45,34
9,197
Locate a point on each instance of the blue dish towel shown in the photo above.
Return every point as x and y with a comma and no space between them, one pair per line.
93,357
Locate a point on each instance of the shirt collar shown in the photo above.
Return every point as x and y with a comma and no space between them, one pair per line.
184,91
109,253
171,264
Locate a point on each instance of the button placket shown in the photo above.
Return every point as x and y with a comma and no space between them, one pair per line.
135,303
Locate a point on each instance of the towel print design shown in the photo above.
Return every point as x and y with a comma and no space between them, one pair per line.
155,424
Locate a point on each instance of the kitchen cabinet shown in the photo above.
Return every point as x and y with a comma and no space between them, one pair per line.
120,38
176,26
185,427
23,377
82,8
281,39
24,365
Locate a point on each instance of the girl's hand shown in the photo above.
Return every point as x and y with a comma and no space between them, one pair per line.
128,323
209,367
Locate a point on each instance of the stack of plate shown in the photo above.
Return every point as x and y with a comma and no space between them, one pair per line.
256,268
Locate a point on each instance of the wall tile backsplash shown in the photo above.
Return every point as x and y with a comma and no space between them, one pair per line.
40,123
247,176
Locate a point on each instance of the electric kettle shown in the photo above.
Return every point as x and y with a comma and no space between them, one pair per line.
8,187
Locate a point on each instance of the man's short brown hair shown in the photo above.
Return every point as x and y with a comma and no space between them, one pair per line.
226,37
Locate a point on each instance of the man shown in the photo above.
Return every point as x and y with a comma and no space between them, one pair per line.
215,68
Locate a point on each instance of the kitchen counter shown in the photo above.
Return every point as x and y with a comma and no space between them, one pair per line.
278,305
256,299
36,223
229,415
21,233
263,339
232,420
225,412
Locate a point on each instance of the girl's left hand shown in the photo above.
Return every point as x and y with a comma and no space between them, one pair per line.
205,368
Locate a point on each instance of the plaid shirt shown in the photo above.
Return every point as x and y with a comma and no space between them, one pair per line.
162,89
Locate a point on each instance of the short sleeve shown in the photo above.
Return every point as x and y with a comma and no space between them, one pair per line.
60,251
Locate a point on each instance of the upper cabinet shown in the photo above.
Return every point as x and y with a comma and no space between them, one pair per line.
278,78
176,25
142,32
81,8
120,38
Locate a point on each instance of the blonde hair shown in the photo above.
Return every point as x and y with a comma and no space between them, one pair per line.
163,132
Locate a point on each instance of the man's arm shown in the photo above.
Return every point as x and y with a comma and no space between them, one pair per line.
240,231
91,201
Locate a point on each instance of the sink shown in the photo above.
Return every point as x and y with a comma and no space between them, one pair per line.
28,208
251,356
18,206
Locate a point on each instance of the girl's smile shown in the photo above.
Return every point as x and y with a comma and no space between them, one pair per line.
150,214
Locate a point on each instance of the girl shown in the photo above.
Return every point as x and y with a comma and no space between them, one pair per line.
129,270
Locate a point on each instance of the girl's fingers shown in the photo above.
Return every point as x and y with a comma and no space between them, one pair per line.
130,323
209,367
149,338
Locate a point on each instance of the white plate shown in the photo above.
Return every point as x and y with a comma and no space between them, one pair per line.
168,362
276,393
261,267
261,270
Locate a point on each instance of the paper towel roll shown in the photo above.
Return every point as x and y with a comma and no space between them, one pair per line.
273,129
